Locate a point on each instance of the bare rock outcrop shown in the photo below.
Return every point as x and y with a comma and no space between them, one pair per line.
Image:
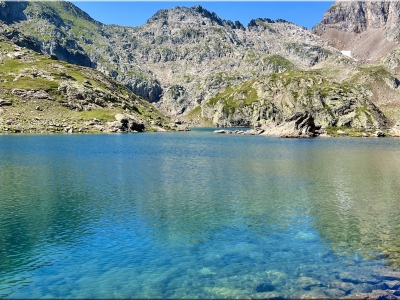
395,130
299,125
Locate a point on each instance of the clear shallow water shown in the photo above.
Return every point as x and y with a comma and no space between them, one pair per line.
195,215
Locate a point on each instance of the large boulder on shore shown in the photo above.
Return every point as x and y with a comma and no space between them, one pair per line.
299,125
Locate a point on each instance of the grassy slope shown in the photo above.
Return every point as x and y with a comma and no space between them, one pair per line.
34,72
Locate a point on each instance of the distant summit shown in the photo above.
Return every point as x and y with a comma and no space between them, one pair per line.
194,14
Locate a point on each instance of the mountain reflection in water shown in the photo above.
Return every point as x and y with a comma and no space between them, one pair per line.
194,214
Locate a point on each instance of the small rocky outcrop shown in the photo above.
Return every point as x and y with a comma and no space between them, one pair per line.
300,125
125,123
31,94
5,102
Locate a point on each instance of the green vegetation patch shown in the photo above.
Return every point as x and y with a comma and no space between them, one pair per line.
104,115
77,75
29,83
278,61
332,8
194,116
236,97
364,110
14,65
349,131
376,73
223,78
194,113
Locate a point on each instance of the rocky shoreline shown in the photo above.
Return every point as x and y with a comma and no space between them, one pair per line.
303,126
124,123
322,133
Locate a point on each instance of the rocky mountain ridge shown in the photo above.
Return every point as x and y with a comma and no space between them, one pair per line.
180,49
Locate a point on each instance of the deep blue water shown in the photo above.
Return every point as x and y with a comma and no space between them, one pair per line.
195,215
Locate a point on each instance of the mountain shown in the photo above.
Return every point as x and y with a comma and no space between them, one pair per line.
179,58
370,30
39,93
203,70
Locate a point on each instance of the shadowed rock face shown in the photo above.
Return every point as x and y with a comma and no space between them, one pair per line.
13,11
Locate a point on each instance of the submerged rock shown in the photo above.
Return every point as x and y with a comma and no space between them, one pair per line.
266,286
335,293
357,278
384,274
308,282
344,286
265,295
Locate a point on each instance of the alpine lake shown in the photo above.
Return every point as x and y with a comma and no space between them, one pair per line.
198,215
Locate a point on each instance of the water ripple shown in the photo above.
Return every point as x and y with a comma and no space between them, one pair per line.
195,215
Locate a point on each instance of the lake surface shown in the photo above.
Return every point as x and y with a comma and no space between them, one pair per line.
196,215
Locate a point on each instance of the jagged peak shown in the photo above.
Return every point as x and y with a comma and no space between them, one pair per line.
196,11
207,14
256,22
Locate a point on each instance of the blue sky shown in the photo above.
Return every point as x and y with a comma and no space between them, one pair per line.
136,13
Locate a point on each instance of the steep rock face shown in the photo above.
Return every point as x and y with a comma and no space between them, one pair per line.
11,12
19,38
189,47
369,29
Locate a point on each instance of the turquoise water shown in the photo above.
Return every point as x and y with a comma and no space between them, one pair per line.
196,215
